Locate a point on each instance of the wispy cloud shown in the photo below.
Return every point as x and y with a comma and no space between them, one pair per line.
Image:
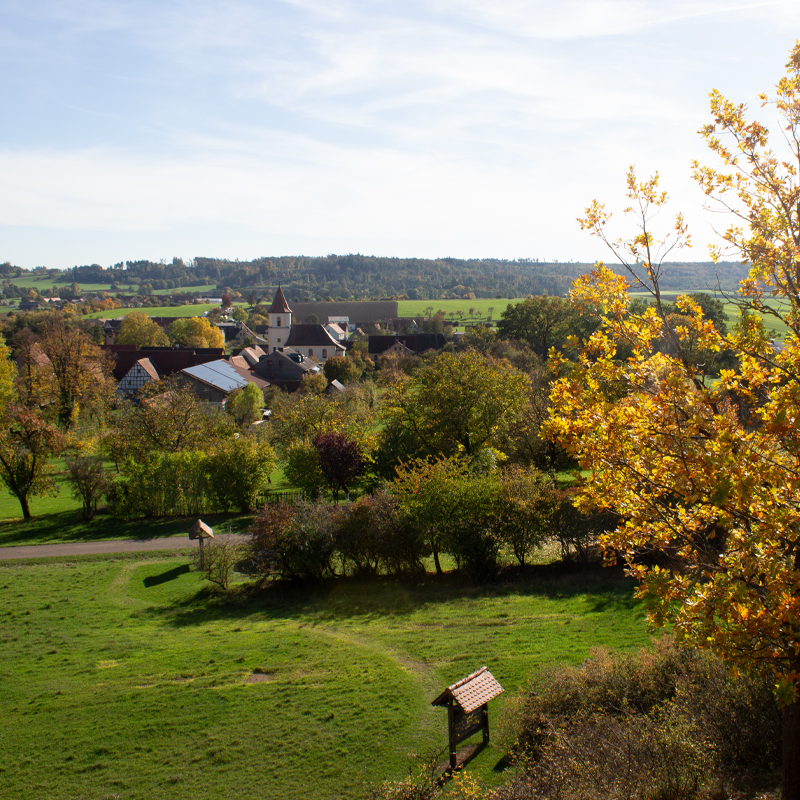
452,124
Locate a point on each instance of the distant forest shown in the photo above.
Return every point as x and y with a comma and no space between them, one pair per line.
360,277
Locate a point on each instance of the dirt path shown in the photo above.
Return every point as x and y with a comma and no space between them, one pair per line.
110,546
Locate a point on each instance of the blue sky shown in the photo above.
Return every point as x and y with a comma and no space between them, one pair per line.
418,128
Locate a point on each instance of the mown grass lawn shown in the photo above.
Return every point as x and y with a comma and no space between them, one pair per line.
124,677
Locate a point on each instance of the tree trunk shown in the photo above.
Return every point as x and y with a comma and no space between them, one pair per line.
790,768
439,570
23,501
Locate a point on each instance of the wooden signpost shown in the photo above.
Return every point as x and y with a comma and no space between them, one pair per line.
467,704
201,531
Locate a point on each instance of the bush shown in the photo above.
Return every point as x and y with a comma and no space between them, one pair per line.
373,537
238,471
297,542
665,722
216,558
89,482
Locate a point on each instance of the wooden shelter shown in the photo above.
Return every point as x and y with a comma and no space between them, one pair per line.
467,703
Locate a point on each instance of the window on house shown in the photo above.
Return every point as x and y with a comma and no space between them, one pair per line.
279,324
310,353
324,353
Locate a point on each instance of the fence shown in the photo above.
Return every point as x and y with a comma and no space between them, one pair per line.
277,498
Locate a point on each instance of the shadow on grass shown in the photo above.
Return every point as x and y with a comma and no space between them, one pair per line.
69,526
165,577
347,598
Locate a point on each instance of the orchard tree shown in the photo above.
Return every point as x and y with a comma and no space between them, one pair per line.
458,404
706,473
27,441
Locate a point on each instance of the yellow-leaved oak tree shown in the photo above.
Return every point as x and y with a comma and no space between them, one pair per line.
705,473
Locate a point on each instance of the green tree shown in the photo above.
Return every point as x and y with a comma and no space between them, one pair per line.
245,405
452,508
706,473
524,513
542,321
457,404
344,370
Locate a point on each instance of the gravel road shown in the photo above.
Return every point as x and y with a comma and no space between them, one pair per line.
110,546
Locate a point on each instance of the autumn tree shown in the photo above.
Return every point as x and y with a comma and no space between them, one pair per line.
167,417
27,441
706,472
196,332
80,371
140,330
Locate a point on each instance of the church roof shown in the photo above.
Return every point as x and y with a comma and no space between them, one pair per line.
279,304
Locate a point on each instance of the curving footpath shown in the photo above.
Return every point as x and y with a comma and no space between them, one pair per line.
108,546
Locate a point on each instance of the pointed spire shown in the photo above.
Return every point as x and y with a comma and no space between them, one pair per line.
279,304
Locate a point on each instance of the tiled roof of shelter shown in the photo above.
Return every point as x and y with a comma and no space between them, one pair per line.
471,692
279,304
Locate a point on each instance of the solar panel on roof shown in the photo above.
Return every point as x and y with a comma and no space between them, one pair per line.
218,374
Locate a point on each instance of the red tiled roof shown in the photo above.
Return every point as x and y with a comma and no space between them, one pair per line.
471,692
279,304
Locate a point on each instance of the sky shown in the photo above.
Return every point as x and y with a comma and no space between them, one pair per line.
411,128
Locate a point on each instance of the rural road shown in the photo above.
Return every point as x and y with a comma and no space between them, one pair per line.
110,546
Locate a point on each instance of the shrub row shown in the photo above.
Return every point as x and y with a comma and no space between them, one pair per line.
232,476
312,540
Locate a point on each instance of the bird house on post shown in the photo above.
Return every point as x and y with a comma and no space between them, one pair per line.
467,703
202,532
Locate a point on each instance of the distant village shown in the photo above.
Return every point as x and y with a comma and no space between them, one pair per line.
282,353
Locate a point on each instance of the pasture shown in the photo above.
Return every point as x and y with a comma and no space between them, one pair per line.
484,307
127,677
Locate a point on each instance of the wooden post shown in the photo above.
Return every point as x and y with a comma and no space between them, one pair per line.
202,554
452,732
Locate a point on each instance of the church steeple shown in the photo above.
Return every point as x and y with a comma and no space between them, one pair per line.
280,321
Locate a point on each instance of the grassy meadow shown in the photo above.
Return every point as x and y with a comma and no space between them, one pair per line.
422,308
127,677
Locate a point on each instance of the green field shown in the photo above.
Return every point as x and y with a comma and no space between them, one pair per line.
422,308
124,677
43,282
195,310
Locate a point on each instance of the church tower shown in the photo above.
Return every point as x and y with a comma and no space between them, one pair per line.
280,322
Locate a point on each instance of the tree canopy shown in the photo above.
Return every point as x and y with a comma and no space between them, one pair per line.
458,404
706,473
